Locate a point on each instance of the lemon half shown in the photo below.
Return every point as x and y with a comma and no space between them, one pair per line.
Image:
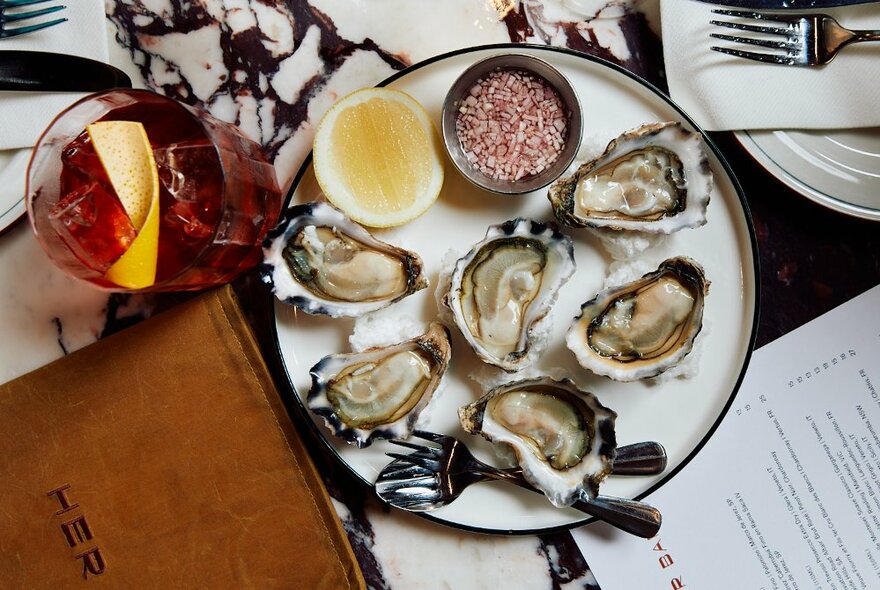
124,150
378,157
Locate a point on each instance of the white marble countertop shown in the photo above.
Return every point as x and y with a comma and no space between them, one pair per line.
274,69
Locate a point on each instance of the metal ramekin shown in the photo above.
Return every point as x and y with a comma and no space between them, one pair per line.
512,61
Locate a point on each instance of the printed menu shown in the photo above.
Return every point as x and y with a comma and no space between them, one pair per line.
786,493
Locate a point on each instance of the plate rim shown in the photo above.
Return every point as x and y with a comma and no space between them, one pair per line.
289,390
17,211
763,159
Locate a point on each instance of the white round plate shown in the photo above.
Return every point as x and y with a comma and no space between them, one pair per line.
680,414
839,169
13,164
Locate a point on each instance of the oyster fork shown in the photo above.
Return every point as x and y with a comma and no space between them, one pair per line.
799,40
432,477
6,17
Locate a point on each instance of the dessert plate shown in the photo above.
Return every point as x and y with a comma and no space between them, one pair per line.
680,413
839,169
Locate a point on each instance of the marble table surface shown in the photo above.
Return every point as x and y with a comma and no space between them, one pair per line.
274,69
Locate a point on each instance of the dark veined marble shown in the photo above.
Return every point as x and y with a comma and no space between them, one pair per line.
248,61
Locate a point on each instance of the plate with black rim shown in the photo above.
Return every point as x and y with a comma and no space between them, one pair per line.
680,413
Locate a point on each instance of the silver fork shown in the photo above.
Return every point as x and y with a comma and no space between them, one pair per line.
432,477
797,40
17,17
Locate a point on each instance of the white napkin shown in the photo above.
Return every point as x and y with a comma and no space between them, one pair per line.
24,115
726,92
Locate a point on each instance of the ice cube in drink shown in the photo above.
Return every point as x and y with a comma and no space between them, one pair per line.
217,194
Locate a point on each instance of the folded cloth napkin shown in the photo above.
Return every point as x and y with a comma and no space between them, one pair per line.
24,115
723,92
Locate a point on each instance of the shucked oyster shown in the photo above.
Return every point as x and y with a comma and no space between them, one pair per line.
563,437
643,328
324,263
380,392
505,285
653,179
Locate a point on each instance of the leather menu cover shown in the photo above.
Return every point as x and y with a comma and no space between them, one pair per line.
162,457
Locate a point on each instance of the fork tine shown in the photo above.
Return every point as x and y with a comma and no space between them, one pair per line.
396,486
764,57
752,28
428,435
780,18
4,33
788,45
404,470
416,503
416,459
420,450
408,444
10,18
17,3
407,498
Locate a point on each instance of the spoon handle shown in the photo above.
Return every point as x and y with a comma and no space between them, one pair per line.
636,518
642,458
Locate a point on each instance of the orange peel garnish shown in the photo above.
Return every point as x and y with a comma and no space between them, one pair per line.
125,152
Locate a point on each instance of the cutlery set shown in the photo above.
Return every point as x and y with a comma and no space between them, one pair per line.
432,477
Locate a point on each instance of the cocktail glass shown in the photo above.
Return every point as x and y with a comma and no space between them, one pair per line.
218,195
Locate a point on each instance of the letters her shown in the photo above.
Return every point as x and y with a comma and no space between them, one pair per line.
77,531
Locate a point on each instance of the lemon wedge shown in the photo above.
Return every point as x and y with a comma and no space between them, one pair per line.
124,150
378,157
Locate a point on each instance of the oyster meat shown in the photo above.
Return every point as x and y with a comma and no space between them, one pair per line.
655,178
643,328
505,285
324,263
563,437
380,392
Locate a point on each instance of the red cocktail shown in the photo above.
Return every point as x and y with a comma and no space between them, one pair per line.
218,195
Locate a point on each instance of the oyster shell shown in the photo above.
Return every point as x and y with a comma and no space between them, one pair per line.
501,290
380,392
563,437
655,178
324,263
643,328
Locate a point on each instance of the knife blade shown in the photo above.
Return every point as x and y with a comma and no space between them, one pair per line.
56,72
786,4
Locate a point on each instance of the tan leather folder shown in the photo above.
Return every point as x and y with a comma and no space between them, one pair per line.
162,457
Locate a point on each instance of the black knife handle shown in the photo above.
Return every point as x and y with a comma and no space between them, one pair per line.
57,72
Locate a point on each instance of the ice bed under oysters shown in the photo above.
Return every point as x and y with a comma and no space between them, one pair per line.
476,294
